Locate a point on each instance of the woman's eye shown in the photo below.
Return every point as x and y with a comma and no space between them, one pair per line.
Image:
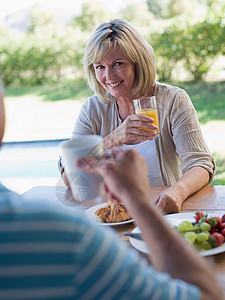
118,63
99,67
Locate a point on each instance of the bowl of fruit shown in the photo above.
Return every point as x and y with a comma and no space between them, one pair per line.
205,232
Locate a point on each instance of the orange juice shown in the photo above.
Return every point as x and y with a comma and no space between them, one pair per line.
152,113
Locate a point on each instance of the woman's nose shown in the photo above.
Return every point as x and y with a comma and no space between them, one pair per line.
108,73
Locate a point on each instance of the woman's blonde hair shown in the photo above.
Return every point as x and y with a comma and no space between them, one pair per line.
104,39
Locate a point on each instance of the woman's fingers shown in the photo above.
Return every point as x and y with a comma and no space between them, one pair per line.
137,117
135,129
140,125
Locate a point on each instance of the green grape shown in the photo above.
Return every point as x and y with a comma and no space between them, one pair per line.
205,245
208,233
205,226
202,237
197,228
190,237
185,226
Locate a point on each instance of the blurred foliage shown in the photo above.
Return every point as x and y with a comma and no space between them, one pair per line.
40,18
169,50
37,58
70,89
92,14
208,99
165,9
219,178
139,15
161,9
49,53
196,46
203,42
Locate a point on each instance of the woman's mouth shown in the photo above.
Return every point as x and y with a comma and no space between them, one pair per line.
115,84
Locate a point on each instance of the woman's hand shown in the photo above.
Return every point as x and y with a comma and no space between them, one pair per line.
134,130
171,199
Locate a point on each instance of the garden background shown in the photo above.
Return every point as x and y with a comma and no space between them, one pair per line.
42,71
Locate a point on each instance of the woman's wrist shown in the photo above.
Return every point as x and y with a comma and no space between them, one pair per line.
109,141
182,190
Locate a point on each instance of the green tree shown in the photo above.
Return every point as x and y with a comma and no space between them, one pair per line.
160,9
40,19
203,42
177,7
92,14
195,45
139,15
169,49
165,9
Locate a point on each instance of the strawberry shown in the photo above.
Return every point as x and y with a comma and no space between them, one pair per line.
215,222
223,218
222,226
213,229
219,238
223,231
198,216
219,222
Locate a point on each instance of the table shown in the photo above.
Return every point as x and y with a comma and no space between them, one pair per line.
210,199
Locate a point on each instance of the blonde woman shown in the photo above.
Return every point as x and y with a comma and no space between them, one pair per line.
121,67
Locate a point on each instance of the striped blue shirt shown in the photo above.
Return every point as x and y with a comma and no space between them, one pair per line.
54,252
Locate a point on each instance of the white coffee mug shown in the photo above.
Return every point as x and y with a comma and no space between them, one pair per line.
84,186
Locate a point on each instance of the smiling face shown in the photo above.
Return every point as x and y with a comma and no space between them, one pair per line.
116,74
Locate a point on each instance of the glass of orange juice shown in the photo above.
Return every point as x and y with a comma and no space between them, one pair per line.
147,106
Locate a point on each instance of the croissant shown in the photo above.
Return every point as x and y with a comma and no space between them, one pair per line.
113,213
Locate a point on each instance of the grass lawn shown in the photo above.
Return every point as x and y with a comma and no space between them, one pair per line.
219,178
208,99
78,91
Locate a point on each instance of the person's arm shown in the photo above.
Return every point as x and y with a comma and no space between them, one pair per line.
121,273
126,179
128,132
169,252
196,162
170,200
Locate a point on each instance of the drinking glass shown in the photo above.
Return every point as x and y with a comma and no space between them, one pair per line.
147,106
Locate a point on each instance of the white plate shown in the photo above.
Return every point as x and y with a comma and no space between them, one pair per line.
174,220
91,211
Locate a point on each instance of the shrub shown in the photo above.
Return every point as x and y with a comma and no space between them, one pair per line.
36,59
196,45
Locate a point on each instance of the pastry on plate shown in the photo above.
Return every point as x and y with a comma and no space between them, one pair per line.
113,213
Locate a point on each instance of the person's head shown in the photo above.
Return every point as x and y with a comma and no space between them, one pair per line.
104,39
